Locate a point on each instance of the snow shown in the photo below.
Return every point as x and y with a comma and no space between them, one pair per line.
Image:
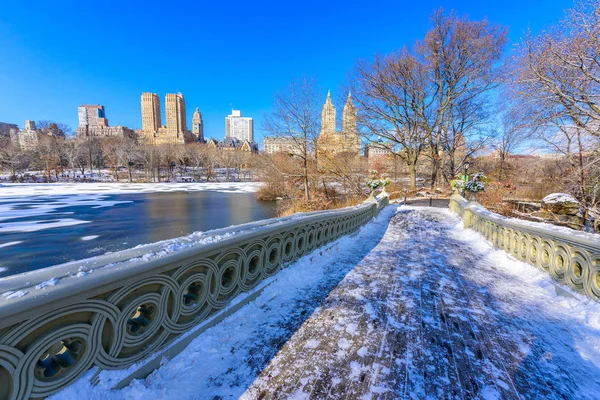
34,226
412,306
33,189
10,244
555,198
13,294
45,284
91,237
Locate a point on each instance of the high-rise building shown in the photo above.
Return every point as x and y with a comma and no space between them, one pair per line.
175,131
6,129
92,116
198,126
26,139
238,127
151,118
93,122
175,115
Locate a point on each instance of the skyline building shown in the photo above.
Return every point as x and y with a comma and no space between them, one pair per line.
332,142
328,117
198,125
93,122
151,118
175,130
239,127
26,139
175,115
287,145
91,115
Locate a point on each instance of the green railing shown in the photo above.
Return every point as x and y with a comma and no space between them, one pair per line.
120,309
570,257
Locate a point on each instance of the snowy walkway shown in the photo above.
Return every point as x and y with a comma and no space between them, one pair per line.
426,310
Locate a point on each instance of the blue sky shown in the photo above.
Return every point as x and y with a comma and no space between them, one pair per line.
57,55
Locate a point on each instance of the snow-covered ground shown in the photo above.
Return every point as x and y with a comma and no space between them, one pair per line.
412,306
48,189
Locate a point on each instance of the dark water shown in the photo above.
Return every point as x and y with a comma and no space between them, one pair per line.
145,218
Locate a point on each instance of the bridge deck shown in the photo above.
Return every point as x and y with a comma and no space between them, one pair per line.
425,314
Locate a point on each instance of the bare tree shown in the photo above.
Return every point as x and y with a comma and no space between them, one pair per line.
511,134
557,73
12,157
128,154
556,81
391,98
461,57
296,118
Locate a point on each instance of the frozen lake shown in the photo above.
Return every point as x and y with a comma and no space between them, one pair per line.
65,223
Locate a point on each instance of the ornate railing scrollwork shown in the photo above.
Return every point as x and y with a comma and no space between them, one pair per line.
122,308
570,257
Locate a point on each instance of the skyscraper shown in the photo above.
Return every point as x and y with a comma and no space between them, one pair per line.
238,127
151,118
175,115
198,126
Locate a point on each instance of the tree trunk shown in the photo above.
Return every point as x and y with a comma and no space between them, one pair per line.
413,176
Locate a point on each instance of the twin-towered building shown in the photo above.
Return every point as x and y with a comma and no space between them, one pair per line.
333,142
330,141
175,131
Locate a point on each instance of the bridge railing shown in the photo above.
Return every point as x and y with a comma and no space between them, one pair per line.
116,310
570,257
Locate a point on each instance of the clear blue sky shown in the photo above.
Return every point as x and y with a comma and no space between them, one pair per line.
56,55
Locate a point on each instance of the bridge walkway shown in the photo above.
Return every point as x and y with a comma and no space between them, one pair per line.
428,315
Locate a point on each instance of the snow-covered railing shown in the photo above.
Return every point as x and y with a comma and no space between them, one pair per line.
116,310
571,257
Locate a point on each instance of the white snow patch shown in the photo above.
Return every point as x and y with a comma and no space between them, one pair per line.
10,244
45,284
13,294
343,344
312,344
34,226
91,237
555,198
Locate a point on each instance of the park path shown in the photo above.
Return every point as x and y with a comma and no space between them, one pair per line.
429,315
